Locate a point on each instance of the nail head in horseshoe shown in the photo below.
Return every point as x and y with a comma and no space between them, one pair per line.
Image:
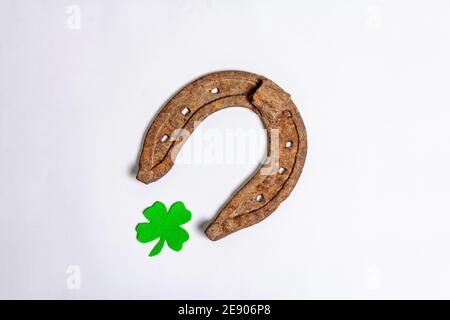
271,184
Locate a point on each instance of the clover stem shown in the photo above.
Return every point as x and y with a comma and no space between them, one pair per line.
157,248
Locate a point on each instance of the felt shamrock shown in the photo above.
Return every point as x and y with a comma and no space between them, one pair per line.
165,226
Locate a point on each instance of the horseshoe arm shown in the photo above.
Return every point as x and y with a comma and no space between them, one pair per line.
273,182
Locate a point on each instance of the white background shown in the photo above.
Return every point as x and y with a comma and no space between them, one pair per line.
369,217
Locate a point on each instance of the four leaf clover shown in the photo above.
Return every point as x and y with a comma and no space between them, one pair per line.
164,225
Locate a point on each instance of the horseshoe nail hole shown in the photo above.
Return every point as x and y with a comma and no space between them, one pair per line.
185,111
289,144
215,90
260,198
164,138
282,170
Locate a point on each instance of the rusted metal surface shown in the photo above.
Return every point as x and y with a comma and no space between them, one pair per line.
273,182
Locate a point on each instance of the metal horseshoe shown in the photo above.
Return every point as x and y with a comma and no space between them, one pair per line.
286,136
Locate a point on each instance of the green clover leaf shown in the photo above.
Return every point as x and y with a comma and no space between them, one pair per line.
165,226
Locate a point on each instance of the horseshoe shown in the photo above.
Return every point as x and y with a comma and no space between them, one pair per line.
270,185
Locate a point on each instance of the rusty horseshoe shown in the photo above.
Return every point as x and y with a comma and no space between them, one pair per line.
286,136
